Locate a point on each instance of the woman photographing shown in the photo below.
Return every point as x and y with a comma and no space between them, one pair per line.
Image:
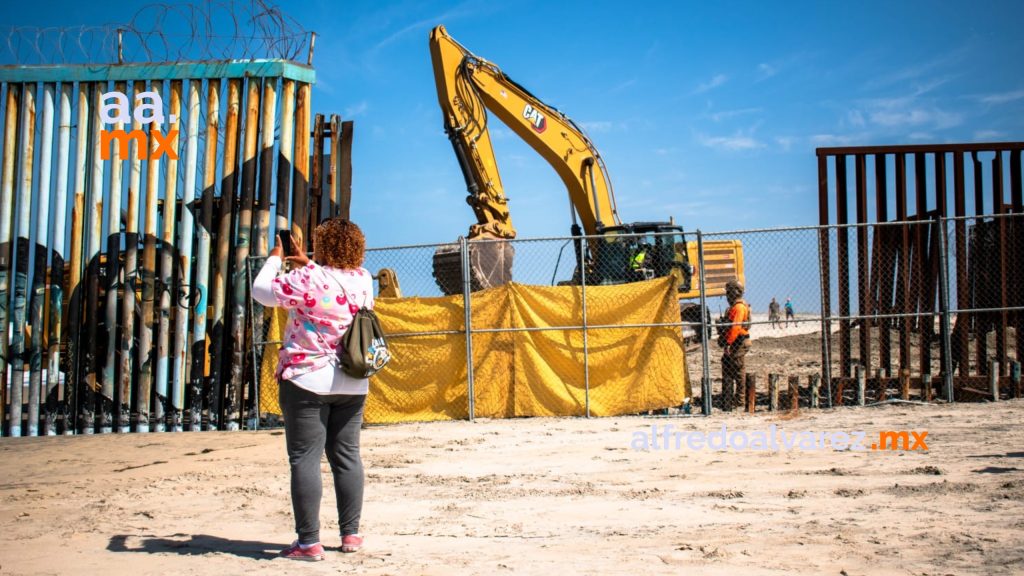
322,407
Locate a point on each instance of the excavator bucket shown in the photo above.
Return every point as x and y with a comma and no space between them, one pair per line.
490,265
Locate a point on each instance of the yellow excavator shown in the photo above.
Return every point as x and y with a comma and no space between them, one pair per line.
468,87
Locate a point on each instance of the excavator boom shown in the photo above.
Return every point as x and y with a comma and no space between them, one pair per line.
468,87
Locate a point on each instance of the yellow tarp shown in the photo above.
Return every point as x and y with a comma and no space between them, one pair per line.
523,373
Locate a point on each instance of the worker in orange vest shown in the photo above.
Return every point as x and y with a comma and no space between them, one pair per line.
735,341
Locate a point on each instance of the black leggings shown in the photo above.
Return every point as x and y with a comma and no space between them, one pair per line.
313,423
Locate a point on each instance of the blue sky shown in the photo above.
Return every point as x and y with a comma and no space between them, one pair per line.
708,112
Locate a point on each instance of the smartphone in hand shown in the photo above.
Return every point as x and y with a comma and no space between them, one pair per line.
285,238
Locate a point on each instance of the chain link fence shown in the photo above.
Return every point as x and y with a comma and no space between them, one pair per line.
841,315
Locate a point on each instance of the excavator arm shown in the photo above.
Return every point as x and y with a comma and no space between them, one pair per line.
467,87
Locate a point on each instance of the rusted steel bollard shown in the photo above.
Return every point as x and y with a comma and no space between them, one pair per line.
740,394
1015,374
926,387
905,386
815,386
751,392
794,393
773,392
862,384
993,380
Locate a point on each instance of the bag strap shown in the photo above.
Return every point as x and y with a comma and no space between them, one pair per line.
317,330
343,291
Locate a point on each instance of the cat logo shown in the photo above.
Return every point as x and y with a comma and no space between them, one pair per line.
535,118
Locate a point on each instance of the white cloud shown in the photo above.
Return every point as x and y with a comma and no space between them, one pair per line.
693,207
597,126
831,139
357,109
324,85
387,19
1002,98
900,116
855,118
715,82
989,135
460,11
623,85
726,114
732,143
518,160
766,71
400,33
903,76
785,142
931,84
906,112
499,132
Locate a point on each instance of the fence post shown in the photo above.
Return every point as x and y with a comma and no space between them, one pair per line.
586,349
815,384
826,326
773,392
751,393
466,289
993,380
858,372
947,345
794,393
926,387
1015,375
254,414
705,375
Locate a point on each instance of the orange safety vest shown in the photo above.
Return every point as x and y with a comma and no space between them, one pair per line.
739,317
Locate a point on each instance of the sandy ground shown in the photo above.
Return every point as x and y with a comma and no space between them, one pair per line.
793,350
535,496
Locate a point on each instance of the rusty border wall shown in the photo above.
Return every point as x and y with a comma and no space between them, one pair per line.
932,265
124,301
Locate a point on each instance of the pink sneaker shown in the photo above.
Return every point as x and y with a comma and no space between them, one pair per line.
314,553
351,543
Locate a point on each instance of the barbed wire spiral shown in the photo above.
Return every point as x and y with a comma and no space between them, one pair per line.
171,32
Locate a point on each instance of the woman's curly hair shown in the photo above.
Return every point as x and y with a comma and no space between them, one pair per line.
339,243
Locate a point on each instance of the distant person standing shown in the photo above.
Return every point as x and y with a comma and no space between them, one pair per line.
735,341
789,313
773,314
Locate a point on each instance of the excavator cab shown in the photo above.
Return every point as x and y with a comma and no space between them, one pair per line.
640,251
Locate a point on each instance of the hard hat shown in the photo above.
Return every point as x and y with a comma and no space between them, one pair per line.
733,286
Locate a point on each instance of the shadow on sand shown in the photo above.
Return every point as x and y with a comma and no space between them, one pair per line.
194,545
